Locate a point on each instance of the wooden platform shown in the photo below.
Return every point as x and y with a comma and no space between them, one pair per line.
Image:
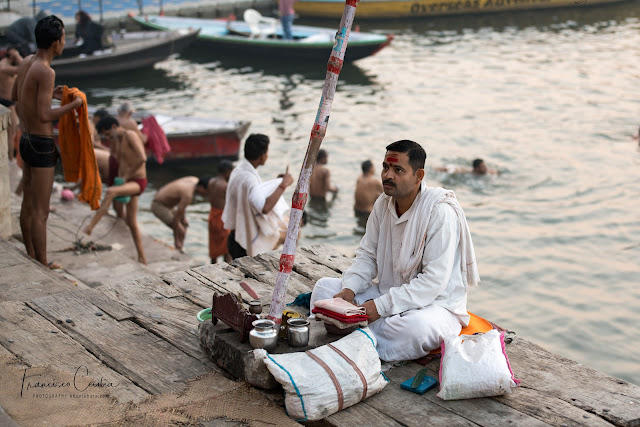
142,334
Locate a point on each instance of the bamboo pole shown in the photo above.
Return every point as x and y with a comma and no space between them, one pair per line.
299,200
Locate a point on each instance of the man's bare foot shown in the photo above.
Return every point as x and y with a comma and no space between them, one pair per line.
54,266
142,261
87,231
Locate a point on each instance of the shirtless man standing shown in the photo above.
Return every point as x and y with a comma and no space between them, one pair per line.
171,201
368,188
320,182
217,194
8,72
129,152
33,91
126,121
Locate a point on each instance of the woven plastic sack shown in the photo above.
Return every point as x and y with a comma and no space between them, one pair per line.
475,366
351,373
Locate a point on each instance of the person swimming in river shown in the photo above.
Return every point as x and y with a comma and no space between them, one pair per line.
478,167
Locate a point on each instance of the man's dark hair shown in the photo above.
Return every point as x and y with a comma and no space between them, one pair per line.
204,182
101,113
416,153
477,162
322,154
106,123
366,166
224,166
83,18
255,146
48,30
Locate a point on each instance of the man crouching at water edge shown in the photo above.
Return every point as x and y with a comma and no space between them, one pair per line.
128,150
417,243
33,91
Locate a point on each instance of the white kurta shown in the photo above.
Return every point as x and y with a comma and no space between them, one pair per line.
243,210
416,310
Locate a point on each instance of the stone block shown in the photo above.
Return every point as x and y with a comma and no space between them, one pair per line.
222,345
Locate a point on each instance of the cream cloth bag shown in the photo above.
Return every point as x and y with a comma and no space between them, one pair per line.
327,379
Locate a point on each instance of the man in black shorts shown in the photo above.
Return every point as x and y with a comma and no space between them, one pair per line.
33,92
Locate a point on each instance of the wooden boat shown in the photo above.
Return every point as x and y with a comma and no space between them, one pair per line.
382,9
235,38
195,138
130,50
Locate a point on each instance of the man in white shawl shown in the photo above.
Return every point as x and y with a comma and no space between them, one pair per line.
249,204
414,264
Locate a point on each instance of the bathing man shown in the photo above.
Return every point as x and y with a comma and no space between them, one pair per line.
129,152
368,188
171,201
418,245
32,92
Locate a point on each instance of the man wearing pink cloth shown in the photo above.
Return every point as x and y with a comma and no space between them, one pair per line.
286,17
414,264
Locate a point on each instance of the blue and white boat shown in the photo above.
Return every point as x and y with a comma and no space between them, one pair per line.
240,39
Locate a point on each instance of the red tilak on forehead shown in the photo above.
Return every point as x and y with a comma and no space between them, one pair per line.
392,159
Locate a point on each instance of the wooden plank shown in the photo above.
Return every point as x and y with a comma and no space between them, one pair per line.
361,414
411,409
484,412
328,256
306,266
107,305
612,399
172,318
551,409
226,278
22,278
193,289
37,342
149,361
265,269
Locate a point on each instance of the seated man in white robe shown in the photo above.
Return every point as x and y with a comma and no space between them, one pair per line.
418,246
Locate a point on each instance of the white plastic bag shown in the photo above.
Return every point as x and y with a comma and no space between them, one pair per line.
475,366
310,391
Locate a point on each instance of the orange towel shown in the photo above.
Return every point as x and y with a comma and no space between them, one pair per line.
76,149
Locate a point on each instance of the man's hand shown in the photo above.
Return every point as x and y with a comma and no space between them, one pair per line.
57,92
287,179
372,311
77,103
346,294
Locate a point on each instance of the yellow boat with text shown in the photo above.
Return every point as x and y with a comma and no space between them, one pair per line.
380,9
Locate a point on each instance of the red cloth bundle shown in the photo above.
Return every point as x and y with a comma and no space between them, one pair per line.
354,318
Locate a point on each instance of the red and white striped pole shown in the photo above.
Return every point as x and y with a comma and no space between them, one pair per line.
334,66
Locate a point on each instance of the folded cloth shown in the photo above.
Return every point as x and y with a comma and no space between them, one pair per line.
341,325
353,318
340,306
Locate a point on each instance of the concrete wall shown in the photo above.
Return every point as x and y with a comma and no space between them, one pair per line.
5,187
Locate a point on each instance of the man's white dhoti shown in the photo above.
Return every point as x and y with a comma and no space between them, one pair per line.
406,336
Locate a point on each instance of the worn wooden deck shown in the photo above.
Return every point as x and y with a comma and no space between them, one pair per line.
142,335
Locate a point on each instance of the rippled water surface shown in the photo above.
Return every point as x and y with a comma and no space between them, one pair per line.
549,98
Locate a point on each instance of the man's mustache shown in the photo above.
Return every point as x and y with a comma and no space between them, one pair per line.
388,181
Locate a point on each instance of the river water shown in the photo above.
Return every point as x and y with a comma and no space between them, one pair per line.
550,98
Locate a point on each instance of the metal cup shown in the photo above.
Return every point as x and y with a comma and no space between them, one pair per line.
298,332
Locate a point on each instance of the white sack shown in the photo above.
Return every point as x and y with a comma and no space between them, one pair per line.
475,366
310,394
